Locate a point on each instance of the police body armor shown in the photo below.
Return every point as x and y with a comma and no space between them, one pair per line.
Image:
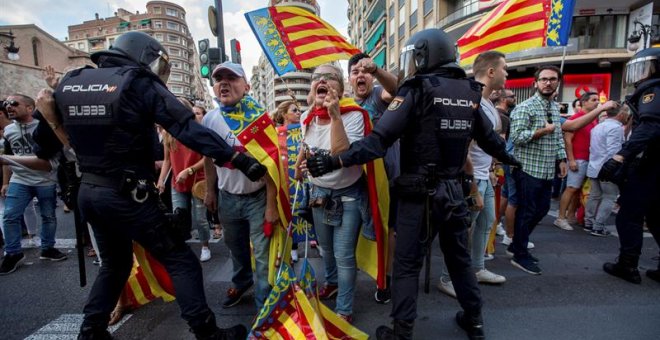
106,132
442,130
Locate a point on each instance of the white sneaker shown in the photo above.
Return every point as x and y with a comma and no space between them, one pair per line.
488,257
294,255
447,288
500,230
205,255
487,276
506,240
530,245
563,224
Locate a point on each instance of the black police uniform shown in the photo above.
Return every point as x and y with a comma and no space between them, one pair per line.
436,118
639,197
109,114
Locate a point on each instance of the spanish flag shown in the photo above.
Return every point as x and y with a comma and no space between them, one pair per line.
516,25
148,280
293,38
252,126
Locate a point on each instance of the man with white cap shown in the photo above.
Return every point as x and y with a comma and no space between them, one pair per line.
245,206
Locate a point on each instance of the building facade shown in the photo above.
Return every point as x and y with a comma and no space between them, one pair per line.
166,22
270,89
595,56
26,50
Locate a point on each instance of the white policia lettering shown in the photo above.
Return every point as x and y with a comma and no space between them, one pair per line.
453,102
87,110
89,88
455,124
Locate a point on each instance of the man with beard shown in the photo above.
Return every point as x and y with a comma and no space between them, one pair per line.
539,144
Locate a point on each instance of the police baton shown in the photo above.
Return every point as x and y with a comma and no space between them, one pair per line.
430,168
79,224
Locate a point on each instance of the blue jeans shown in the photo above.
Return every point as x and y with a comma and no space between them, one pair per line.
339,242
482,220
242,218
197,212
534,197
18,198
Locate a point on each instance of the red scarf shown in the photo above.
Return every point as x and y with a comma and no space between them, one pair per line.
345,105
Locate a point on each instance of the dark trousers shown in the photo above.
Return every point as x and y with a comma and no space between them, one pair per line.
533,205
117,221
639,199
450,219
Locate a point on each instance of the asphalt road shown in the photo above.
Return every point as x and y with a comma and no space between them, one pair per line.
572,299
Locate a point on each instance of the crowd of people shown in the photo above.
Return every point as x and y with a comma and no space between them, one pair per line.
449,146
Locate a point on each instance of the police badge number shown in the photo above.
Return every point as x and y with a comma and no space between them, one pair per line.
648,98
395,104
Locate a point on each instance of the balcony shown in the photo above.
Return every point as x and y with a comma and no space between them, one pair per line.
375,36
375,10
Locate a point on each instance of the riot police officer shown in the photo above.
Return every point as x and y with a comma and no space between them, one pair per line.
636,167
436,114
109,115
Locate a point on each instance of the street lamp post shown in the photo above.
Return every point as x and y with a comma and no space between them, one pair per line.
644,32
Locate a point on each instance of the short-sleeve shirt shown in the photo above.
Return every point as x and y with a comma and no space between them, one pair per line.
582,138
317,137
230,179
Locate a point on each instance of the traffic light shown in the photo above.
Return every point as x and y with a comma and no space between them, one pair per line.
204,65
235,51
214,59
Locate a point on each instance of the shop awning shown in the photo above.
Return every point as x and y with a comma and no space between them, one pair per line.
145,21
378,33
124,24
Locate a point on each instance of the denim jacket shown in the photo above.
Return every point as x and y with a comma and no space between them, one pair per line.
334,209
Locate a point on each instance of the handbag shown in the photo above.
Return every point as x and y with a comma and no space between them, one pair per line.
199,189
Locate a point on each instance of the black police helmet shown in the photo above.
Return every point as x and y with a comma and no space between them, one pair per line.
427,51
642,66
142,49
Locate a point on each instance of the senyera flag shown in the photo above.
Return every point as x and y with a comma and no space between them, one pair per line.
293,38
516,25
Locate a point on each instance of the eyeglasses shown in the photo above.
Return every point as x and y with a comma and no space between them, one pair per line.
295,110
548,80
511,96
13,103
327,76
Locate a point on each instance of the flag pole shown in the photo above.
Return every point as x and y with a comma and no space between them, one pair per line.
563,58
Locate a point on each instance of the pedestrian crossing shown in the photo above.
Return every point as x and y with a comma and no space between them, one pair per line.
66,327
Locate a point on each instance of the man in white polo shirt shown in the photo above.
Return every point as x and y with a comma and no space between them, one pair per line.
243,204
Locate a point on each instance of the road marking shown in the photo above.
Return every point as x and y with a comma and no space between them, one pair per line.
70,243
66,327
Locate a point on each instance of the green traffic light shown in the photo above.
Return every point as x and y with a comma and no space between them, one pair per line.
205,71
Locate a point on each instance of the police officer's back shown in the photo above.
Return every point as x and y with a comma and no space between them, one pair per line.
436,113
109,114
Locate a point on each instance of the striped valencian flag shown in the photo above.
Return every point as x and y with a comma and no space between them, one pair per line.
516,25
293,38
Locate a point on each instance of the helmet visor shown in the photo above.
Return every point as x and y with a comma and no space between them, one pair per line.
640,69
161,66
407,64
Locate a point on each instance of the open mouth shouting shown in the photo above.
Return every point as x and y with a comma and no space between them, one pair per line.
321,91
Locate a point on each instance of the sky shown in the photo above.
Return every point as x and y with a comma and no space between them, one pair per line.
55,16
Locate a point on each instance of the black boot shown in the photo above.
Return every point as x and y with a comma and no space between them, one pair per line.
625,268
209,331
472,324
92,333
403,330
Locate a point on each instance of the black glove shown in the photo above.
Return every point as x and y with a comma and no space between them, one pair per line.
466,184
510,160
249,166
319,165
612,171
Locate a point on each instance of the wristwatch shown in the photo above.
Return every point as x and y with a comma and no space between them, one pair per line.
191,171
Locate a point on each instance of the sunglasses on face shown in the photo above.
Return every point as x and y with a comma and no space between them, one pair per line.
326,76
13,103
295,110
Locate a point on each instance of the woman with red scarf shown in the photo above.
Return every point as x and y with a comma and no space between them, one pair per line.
338,199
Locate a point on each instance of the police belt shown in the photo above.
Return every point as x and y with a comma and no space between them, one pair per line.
101,181
422,170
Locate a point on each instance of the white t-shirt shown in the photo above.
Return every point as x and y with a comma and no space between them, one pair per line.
230,179
481,161
317,137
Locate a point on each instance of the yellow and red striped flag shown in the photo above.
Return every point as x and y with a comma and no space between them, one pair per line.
294,38
148,280
516,25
